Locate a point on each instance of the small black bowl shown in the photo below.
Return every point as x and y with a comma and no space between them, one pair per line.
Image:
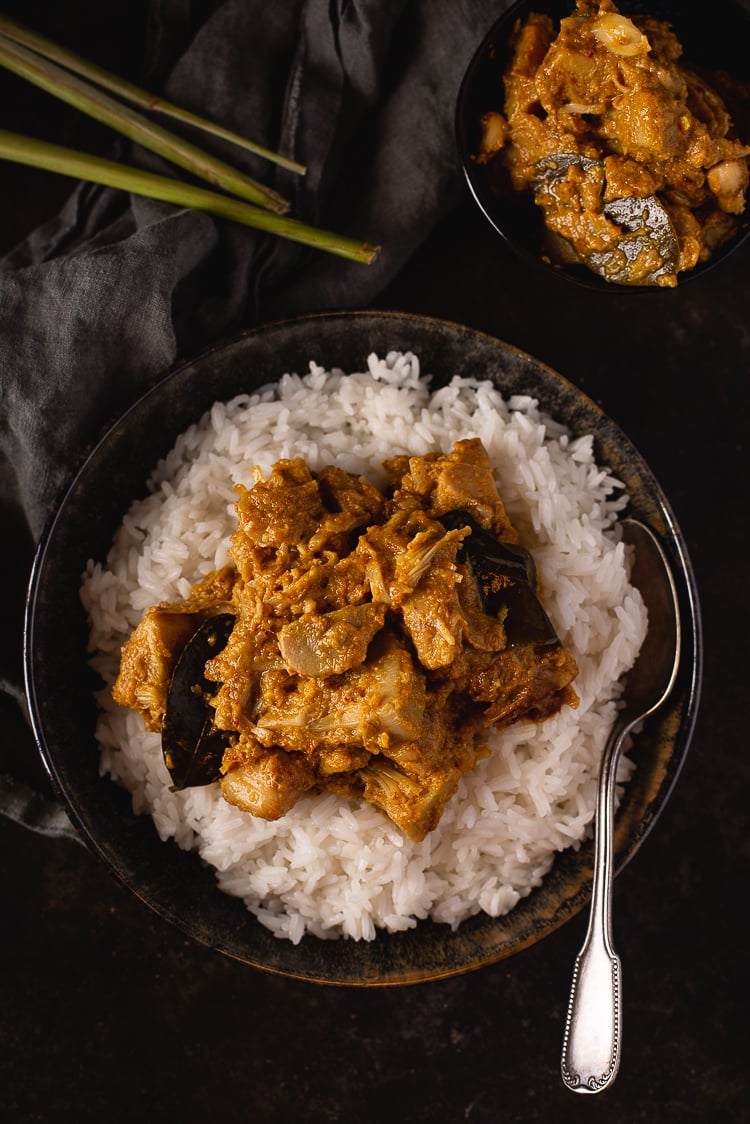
713,39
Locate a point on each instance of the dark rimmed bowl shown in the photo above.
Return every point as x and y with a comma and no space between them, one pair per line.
713,39
60,684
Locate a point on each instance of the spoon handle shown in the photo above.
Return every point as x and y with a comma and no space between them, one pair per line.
591,1053
593,1030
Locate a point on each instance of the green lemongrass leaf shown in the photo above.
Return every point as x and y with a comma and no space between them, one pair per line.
90,100
80,165
132,93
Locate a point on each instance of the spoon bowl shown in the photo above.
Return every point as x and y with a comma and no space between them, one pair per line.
593,1032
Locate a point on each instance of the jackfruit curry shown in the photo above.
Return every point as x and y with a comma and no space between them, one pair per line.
358,643
632,157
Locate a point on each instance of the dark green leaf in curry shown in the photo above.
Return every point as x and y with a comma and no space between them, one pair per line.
506,575
192,745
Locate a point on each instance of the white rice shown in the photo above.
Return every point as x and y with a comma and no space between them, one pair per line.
333,867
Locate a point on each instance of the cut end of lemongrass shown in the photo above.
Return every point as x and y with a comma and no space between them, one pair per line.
369,253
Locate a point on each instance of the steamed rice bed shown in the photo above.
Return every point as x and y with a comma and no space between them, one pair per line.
334,867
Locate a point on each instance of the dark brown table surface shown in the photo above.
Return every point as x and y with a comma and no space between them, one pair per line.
107,1013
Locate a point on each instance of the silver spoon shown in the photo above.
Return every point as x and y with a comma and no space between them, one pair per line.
593,1030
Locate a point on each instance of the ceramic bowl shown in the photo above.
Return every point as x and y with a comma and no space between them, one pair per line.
60,684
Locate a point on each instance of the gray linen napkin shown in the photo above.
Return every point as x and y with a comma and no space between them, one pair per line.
100,302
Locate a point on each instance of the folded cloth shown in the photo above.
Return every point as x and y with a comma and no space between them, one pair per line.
100,302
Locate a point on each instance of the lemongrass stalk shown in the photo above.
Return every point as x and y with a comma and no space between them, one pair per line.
90,100
80,165
132,93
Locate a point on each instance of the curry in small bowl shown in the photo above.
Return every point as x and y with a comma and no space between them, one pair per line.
608,142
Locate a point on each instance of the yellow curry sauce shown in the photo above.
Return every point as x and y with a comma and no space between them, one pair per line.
364,658
632,157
